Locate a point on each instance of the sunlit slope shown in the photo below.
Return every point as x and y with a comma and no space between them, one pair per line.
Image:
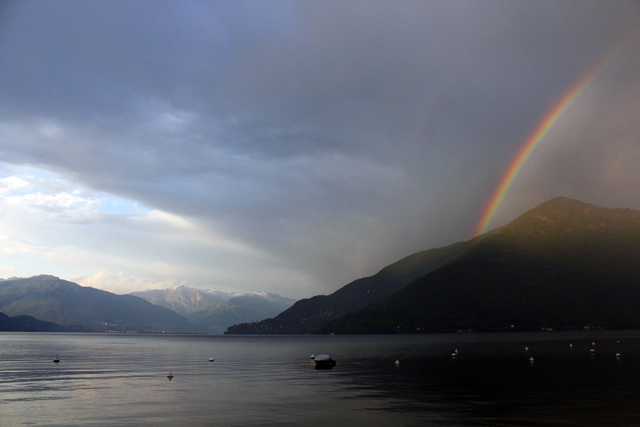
66,303
306,315
564,264
181,299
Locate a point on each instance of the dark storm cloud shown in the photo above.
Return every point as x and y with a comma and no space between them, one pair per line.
339,136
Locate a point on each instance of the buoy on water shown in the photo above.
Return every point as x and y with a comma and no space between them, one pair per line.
170,376
397,362
526,348
56,360
313,356
211,359
618,355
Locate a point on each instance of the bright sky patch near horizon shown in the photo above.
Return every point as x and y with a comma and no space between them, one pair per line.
292,147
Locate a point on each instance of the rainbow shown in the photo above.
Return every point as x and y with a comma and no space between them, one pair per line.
550,119
527,149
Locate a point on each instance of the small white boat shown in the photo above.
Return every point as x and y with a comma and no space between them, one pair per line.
56,360
324,361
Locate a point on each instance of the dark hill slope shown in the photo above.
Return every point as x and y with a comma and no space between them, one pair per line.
66,303
306,315
30,324
563,264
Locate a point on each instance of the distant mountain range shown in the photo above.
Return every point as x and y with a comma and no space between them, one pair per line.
47,303
48,298
562,265
215,311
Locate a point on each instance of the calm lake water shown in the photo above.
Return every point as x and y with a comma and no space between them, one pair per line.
110,380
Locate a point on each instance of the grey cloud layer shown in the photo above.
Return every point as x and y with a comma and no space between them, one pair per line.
337,136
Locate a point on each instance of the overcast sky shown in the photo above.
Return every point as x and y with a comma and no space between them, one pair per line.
293,147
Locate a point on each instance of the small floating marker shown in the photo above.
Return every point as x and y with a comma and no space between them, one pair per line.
56,360
211,359
618,355
618,341
531,359
592,350
454,354
170,376
526,348
570,345
397,362
593,343
313,356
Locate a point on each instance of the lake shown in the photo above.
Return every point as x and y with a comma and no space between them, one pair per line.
121,380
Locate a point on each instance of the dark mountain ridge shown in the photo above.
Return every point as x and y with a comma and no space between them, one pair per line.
307,315
562,265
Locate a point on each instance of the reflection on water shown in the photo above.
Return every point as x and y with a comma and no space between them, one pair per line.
268,380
